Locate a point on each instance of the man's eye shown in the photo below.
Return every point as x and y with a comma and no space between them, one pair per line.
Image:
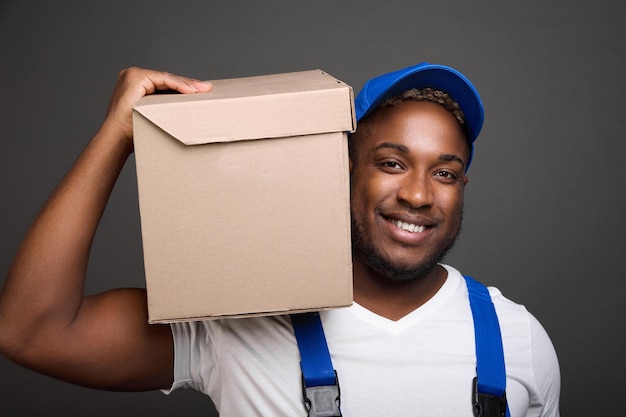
393,165
447,175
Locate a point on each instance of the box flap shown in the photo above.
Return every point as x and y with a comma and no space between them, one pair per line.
278,105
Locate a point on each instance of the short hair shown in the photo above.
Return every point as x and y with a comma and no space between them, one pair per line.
428,94
417,94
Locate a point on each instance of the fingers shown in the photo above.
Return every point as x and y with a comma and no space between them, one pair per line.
134,83
151,81
168,81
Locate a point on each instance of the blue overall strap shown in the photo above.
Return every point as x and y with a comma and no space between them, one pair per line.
489,391
320,386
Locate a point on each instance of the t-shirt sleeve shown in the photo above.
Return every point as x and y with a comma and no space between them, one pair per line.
533,374
546,368
192,356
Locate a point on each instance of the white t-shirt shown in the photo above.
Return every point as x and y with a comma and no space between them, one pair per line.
420,365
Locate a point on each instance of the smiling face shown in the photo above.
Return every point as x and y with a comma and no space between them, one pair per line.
407,182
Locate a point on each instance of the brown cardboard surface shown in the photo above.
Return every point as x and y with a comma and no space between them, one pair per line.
244,197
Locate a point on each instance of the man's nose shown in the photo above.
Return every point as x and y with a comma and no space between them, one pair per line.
417,190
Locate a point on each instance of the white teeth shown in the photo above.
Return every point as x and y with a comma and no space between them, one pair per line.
409,227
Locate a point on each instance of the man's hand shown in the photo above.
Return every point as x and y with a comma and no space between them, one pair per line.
134,83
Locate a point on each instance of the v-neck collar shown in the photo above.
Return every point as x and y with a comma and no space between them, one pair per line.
453,280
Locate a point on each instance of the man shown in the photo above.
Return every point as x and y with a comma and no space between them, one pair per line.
405,348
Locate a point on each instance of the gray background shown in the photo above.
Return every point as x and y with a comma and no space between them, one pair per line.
544,212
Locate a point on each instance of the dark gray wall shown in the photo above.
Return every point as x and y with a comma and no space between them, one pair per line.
544,213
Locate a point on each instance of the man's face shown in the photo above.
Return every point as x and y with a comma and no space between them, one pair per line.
408,179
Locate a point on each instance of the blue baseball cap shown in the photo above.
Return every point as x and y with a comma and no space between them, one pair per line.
424,75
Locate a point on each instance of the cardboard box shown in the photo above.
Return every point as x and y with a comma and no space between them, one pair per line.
244,197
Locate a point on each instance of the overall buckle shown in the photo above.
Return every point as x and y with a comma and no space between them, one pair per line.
487,405
323,400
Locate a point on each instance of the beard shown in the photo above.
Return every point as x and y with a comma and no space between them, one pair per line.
391,269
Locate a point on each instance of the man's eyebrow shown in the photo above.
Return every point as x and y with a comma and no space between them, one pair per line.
404,149
450,157
392,145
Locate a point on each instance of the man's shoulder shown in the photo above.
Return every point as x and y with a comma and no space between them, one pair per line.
510,313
